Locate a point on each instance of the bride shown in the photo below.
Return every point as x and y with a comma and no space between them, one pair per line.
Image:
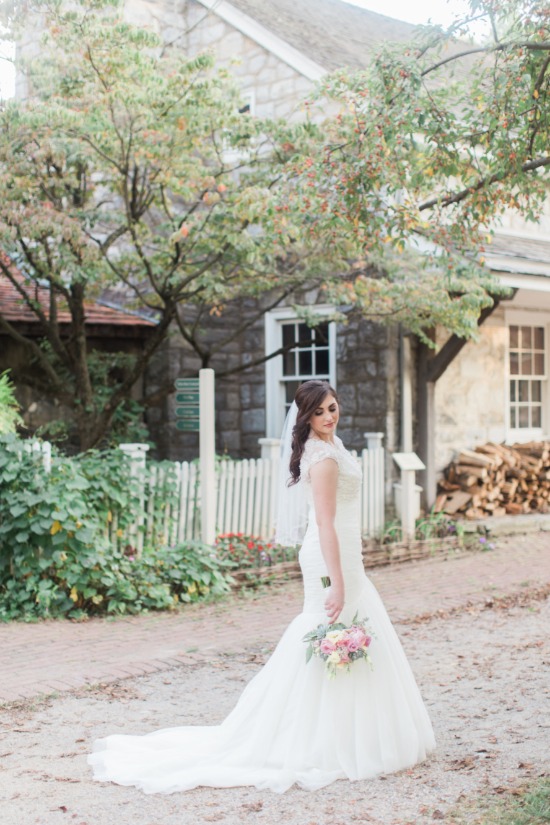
292,724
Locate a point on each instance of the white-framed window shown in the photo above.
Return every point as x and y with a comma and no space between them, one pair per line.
527,413
313,357
248,102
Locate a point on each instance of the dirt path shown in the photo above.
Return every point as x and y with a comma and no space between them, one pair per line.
483,673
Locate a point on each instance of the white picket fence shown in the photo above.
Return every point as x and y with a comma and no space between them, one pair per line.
168,502
246,491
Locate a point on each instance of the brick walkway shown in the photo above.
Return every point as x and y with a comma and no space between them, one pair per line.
56,656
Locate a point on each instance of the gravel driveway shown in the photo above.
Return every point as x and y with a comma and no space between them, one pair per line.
483,674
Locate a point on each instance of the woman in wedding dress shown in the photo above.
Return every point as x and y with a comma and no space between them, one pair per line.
293,724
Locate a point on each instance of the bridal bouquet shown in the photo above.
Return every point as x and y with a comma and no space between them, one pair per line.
338,645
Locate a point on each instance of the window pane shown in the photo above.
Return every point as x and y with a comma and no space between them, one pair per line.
523,417
539,363
513,385
524,391
514,363
290,391
526,363
289,334
289,363
305,361
321,335
514,337
536,417
513,417
536,395
321,362
526,338
305,335
538,338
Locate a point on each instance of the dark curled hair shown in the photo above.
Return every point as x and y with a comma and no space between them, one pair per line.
309,397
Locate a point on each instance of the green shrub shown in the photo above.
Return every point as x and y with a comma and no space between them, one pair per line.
56,558
9,408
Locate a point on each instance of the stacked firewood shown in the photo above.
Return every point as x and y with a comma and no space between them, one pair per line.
494,480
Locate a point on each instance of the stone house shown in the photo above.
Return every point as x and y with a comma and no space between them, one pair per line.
495,388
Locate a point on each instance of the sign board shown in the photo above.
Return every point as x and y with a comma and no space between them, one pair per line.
187,384
408,461
187,397
188,405
195,414
188,425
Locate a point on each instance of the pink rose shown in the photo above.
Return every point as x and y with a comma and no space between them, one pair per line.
352,645
357,638
327,646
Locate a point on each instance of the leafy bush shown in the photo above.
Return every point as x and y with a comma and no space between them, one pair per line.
430,526
9,408
56,558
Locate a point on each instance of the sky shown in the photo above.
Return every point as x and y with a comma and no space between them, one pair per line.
413,11
416,11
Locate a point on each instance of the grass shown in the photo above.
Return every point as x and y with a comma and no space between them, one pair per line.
524,805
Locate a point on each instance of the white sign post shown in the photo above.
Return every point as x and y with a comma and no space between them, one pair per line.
207,446
408,463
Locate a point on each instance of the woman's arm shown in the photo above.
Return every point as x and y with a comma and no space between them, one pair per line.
324,478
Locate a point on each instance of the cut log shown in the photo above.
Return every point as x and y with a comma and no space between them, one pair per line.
497,479
478,459
509,488
439,505
448,486
455,501
470,470
512,508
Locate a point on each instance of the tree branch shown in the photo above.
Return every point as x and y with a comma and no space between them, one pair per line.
498,47
448,200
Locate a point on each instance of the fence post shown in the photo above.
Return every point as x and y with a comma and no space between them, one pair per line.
207,447
43,449
137,455
409,464
374,440
271,450
373,485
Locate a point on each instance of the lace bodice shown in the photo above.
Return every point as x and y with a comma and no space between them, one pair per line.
349,475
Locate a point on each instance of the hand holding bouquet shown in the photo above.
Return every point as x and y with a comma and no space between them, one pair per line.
338,645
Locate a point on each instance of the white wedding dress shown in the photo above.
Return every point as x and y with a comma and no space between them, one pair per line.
292,724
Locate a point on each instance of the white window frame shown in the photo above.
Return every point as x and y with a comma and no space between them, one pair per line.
274,385
528,319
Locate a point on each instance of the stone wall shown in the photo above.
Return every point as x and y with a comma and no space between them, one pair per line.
276,87
366,381
470,396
